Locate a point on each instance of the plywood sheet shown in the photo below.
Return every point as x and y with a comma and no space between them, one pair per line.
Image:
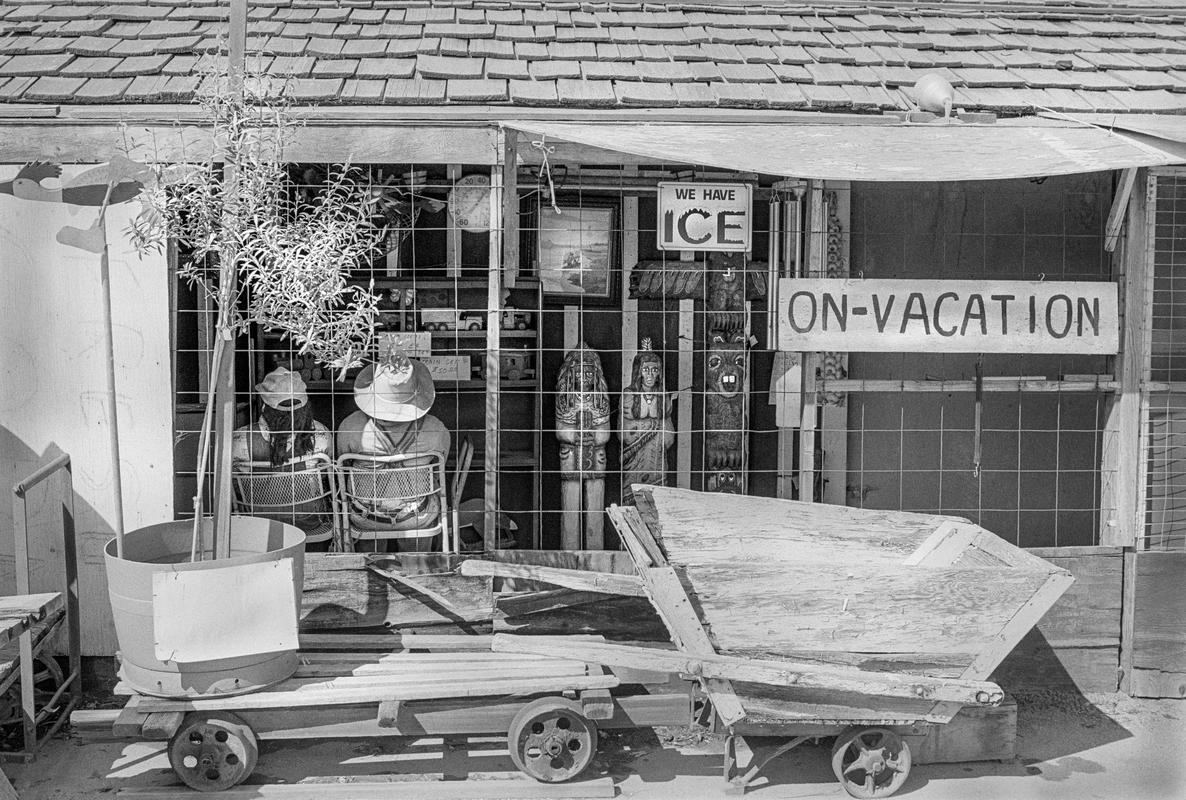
202,615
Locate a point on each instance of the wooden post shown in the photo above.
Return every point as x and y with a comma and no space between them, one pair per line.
834,415
452,232
493,364
1119,210
629,305
790,258
510,208
817,231
683,427
1128,608
224,397
1121,469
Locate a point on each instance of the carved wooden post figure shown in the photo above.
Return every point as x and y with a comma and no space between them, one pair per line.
724,374
647,431
582,426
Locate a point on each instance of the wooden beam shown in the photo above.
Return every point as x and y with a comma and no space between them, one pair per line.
414,585
800,675
834,415
160,727
517,789
1128,619
570,578
1121,441
684,394
630,342
1116,216
510,209
375,691
1101,383
452,232
392,642
493,422
817,231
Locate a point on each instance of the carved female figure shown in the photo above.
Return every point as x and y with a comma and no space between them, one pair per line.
582,426
647,431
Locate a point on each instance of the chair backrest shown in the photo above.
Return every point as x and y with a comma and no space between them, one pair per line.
284,493
372,484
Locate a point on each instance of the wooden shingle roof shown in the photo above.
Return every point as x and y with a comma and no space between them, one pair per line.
1008,57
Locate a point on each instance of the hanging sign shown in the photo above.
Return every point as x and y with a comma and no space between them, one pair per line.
705,216
948,316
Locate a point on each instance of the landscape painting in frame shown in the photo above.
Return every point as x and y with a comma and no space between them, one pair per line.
576,251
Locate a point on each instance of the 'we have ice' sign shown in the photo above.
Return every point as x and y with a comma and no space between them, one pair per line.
705,216
947,316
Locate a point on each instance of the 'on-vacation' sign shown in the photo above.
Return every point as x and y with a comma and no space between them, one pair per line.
705,216
820,314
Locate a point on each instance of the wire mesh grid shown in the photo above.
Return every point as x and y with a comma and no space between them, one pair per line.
593,273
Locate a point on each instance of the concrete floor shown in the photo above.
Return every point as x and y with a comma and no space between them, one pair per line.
1112,748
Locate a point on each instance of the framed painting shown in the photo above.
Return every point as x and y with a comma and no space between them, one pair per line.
577,251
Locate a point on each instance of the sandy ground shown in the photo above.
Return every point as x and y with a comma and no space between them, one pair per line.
1113,747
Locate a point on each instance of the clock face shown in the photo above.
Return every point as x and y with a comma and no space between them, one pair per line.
469,203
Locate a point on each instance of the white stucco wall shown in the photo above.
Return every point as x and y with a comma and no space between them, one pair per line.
52,388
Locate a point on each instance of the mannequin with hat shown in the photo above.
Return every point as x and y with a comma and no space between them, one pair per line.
393,399
285,430
583,428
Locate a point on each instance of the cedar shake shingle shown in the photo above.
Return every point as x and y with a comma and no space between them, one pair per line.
533,93
637,93
506,68
46,64
414,91
585,93
551,70
104,90
477,91
314,90
429,66
53,88
385,68
362,91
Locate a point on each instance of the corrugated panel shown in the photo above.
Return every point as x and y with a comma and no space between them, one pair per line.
875,152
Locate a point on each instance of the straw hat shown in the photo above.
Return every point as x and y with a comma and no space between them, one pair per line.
400,393
282,390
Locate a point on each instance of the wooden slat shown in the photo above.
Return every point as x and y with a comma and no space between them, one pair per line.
391,790
949,536
1159,638
1116,217
130,719
377,692
160,727
684,395
774,673
510,209
396,641
675,609
571,578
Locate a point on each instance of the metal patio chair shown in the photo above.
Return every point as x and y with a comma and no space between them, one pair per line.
394,497
306,498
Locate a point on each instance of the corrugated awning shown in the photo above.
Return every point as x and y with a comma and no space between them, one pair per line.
871,152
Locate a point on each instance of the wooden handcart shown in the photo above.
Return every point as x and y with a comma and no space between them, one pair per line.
412,685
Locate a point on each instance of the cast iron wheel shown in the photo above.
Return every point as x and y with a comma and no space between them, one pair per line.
213,751
871,762
551,740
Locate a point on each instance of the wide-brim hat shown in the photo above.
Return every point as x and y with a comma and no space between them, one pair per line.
283,390
394,395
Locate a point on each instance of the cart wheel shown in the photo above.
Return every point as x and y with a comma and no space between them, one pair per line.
551,740
212,752
871,762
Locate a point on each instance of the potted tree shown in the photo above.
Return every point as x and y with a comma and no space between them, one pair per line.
211,607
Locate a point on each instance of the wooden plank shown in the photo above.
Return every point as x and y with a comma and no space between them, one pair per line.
452,717
1159,637
510,209
571,578
130,720
96,720
630,341
775,673
388,716
379,691
160,727
943,546
1158,683
631,619
597,704
639,540
338,594
834,415
392,790
1119,211
392,641
383,671
6,790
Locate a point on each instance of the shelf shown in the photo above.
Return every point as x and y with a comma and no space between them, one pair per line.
468,334
475,383
446,283
508,458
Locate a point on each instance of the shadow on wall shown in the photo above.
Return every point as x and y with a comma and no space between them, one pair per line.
43,504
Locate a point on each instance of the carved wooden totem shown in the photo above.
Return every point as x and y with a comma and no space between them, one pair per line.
582,426
725,395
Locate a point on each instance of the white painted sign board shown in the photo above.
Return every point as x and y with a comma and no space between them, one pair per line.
705,216
832,314
413,344
202,615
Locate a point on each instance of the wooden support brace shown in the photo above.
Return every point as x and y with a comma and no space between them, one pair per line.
571,578
414,585
597,703
1116,216
161,726
130,720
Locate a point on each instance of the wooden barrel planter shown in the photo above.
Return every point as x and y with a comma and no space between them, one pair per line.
151,661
